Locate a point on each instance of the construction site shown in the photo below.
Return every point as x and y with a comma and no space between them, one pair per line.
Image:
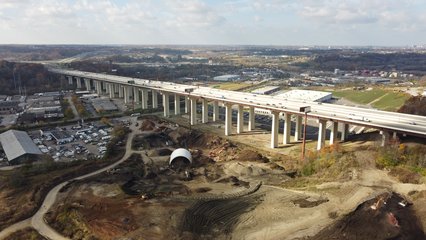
228,189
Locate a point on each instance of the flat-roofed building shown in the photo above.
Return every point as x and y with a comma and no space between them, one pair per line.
103,105
266,90
306,95
19,147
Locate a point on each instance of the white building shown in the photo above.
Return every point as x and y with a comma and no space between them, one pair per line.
306,95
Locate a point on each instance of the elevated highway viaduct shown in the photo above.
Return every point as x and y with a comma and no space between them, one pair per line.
136,90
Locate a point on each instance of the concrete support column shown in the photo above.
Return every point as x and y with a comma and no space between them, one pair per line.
274,130
78,82
385,138
120,91
69,80
345,130
186,104
144,96
394,136
228,119
98,87
298,131
215,111
154,99
116,89
204,111
166,104
287,128
177,104
111,90
87,84
127,94
106,87
240,119
193,111
322,126
333,133
251,120
136,96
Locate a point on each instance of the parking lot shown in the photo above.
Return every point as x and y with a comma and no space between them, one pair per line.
73,142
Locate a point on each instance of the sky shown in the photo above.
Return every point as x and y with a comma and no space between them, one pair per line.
221,22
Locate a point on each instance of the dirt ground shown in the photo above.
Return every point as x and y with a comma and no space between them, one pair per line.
27,233
234,191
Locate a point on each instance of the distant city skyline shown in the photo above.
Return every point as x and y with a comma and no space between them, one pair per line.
214,22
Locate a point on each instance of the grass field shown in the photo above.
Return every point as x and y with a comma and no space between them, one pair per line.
378,98
362,97
233,86
391,101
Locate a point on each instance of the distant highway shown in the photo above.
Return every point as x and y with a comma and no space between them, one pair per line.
382,120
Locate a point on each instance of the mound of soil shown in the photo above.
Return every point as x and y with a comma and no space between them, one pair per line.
250,155
179,135
392,218
147,125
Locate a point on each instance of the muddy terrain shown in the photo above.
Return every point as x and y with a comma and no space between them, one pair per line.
232,191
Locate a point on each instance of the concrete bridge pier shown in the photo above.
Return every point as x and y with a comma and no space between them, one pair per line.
193,111
128,92
166,104
287,128
322,126
298,130
215,111
274,129
334,131
344,133
228,119
186,104
251,120
87,84
111,91
78,82
120,91
385,138
106,87
240,119
177,104
70,80
136,96
204,111
98,87
144,96
154,99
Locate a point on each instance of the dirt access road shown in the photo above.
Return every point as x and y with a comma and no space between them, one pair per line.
37,220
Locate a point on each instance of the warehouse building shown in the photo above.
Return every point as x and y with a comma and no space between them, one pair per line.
18,147
103,105
306,95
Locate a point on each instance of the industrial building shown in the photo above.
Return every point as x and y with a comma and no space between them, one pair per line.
18,147
61,137
266,90
306,95
227,78
103,105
